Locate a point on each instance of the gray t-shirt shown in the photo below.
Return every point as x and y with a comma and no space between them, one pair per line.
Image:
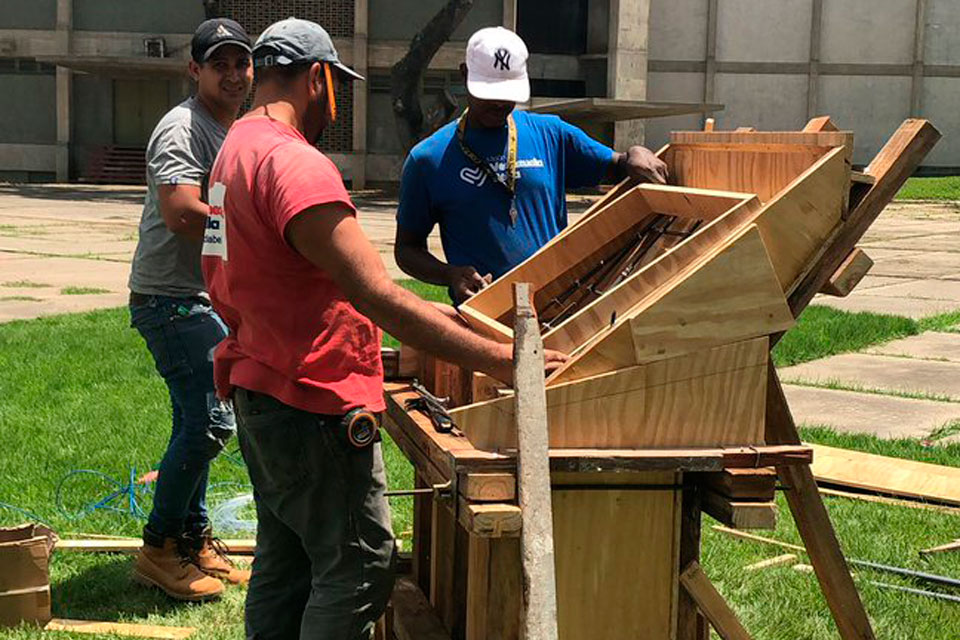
181,150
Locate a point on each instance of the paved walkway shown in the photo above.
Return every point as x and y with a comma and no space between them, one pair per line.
67,248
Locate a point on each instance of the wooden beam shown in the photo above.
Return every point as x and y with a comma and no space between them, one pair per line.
691,625
488,487
743,484
814,524
891,167
849,274
820,123
740,514
120,629
539,612
714,607
413,617
490,520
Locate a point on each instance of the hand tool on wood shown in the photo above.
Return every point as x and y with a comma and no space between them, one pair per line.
433,407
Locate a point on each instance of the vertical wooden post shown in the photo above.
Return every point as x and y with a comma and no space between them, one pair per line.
539,621
691,625
813,523
422,524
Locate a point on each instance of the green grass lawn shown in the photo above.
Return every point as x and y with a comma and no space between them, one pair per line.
80,392
947,188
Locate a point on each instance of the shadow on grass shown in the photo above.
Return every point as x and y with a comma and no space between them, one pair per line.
104,591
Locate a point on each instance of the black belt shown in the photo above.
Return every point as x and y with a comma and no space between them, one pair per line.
141,299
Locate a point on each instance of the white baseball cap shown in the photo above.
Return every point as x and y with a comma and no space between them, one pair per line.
497,66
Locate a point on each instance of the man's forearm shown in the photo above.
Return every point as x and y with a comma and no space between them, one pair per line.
404,316
422,265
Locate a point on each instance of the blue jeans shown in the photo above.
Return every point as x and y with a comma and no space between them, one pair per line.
181,334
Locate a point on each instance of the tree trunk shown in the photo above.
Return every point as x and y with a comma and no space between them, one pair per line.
211,9
406,77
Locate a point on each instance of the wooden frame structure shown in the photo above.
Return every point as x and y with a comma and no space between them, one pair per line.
670,404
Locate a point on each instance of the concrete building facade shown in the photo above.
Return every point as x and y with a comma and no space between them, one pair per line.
79,76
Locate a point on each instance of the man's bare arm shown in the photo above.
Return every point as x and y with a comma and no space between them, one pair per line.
415,259
330,237
183,211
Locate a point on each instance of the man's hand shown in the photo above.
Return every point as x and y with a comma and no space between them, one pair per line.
642,164
552,360
465,281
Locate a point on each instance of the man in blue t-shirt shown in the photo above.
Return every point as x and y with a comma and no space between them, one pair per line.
495,180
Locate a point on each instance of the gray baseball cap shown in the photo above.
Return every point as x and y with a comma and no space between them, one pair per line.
294,41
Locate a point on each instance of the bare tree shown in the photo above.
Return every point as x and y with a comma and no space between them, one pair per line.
211,9
406,77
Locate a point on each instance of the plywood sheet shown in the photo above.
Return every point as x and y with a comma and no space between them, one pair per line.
732,295
587,323
609,587
797,223
892,476
761,169
706,398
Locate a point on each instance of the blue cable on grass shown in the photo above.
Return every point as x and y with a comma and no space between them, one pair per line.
127,495
31,516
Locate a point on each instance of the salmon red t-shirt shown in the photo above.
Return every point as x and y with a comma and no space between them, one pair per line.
293,334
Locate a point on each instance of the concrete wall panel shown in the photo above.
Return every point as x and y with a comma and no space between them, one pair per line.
392,20
871,106
767,102
36,14
678,29
170,16
764,31
28,158
942,39
868,31
941,105
28,104
672,87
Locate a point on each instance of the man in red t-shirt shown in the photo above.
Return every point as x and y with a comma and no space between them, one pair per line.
302,291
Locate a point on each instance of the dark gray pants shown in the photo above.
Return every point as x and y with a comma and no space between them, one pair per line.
324,563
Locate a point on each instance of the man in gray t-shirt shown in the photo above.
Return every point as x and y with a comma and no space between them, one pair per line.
171,310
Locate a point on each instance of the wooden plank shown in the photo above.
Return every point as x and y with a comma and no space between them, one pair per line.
488,487
490,520
571,253
743,484
777,561
487,388
408,365
795,224
621,188
849,274
443,562
691,625
732,295
862,178
894,502
422,525
706,398
478,588
119,629
413,617
814,525
743,535
714,607
483,325
586,323
891,167
539,611
740,514
890,476
801,138
604,593
820,124
127,545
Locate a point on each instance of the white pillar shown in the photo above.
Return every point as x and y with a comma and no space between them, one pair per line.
510,14
627,62
360,93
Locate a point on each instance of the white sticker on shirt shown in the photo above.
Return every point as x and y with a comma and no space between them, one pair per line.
215,235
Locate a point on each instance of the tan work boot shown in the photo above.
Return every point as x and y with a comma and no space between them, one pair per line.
209,554
168,567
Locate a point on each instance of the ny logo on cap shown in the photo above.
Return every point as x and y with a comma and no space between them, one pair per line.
501,59
223,32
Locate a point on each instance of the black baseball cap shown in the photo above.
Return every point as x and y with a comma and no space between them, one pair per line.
296,41
213,34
